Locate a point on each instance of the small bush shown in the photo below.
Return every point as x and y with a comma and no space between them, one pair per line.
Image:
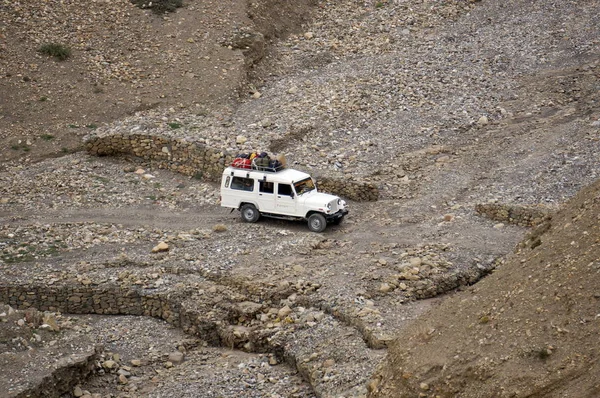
47,137
91,126
21,146
56,50
159,6
174,125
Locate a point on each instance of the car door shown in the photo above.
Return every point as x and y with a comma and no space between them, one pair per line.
285,202
266,196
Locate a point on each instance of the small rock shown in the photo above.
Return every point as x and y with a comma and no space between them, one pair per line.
293,90
176,357
256,95
309,35
499,226
240,139
50,320
161,247
109,364
123,379
285,311
136,362
424,386
415,261
123,372
77,391
385,287
298,268
448,217
483,121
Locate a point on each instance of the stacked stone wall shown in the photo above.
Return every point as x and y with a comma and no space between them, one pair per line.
110,300
185,156
522,215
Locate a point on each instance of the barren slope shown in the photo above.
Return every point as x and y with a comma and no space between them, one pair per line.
449,107
528,330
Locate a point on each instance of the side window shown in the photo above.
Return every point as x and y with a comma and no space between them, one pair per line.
227,180
284,189
242,184
265,187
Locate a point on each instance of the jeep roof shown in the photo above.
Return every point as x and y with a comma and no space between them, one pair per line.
284,176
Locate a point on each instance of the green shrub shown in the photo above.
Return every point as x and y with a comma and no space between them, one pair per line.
174,125
56,50
159,6
47,137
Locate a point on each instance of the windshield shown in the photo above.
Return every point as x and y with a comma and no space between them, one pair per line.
304,186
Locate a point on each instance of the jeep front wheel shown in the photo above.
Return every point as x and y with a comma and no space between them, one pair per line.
316,222
249,213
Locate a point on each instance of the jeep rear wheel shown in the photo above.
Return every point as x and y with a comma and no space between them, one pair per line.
316,222
249,213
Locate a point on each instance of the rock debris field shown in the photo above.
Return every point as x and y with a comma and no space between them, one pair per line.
122,279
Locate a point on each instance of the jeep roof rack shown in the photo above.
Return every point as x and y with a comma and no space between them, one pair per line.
255,167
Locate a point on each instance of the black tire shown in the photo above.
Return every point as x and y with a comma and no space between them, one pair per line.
317,222
249,213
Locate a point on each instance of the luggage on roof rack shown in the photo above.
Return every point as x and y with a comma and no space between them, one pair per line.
260,162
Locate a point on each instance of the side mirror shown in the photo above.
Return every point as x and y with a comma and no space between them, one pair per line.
292,195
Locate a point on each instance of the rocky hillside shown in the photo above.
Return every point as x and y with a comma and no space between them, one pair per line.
527,330
472,119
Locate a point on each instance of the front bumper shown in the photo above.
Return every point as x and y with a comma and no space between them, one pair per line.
337,215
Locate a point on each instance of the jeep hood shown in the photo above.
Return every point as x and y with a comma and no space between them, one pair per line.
318,199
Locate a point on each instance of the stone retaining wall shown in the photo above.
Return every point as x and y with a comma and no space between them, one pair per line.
61,379
522,215
195,159
114,300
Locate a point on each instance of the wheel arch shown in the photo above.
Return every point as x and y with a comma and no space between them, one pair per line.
247,202
311,212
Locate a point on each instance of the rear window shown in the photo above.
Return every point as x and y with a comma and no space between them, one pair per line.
242,184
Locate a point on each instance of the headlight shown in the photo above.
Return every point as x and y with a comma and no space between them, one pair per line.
328,206
339,202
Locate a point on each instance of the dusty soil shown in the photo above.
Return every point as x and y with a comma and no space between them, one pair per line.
529,329
446,105
124,60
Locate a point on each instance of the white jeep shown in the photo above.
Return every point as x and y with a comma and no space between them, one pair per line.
285,194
